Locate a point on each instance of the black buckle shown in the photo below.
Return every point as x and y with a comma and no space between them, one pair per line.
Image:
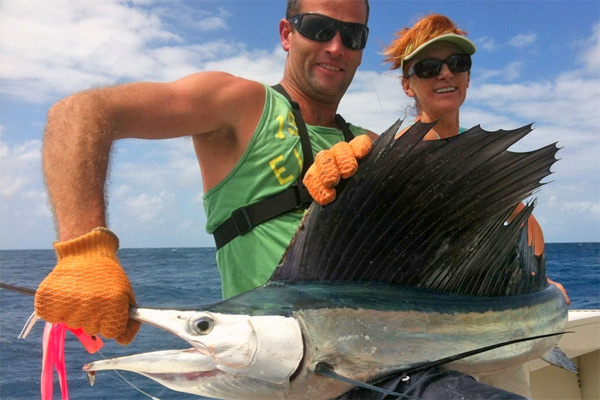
241,220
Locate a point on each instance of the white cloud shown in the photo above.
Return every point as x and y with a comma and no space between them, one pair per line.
591,56
19,166
24,213
489,120
193,17
486,43
263,66
522,40
566,101
563,110
53,48
592,209
146,207
213,23
156,189
510,72
160,164
67,46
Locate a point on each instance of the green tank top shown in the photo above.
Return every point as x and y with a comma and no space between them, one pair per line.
271,163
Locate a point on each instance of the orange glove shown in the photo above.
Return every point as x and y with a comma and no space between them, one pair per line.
88,288
331,165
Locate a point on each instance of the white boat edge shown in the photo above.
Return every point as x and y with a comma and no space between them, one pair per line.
549,382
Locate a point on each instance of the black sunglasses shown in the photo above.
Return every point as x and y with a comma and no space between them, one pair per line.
432,67
323,28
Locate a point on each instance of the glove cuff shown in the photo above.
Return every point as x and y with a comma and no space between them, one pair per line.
100,242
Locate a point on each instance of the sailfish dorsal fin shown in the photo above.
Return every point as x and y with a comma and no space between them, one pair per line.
429,214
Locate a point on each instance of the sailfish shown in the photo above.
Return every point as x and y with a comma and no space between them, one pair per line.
413,266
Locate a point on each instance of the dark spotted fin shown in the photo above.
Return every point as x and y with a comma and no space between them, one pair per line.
558,358
429,214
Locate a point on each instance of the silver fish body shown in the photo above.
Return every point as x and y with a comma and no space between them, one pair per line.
413,263
265,344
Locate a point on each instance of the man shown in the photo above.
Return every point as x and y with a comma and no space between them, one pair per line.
246,137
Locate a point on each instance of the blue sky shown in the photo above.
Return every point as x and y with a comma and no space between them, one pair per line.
537,61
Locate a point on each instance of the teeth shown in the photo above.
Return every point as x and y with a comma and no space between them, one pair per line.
330,67
91,377
445,90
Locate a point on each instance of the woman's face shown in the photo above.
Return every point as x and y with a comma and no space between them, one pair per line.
442,95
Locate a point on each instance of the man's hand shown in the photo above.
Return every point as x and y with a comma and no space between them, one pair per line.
331,165
88,288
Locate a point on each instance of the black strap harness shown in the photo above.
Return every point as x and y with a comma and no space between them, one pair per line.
295,197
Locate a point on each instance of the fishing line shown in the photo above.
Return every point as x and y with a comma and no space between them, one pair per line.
18,289
377,95
129,383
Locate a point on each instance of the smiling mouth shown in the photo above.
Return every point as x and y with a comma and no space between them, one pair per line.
445,90
330,67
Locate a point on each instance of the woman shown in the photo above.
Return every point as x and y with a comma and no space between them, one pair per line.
435,59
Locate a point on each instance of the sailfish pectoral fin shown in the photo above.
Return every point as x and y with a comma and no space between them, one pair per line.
558,358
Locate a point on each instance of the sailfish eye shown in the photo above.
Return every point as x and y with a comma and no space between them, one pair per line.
202,325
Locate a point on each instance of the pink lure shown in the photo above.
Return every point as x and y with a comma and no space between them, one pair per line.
54,356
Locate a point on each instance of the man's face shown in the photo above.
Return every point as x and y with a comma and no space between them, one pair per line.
324,70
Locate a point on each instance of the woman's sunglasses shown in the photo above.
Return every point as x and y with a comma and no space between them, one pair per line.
323,28
432,67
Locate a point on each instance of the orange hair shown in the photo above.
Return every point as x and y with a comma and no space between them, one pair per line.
408,39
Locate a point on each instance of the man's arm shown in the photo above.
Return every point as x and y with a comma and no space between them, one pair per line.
81,129
88,287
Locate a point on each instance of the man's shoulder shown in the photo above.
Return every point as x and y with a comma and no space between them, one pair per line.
220,79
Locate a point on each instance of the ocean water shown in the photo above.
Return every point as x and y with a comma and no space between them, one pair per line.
179,277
